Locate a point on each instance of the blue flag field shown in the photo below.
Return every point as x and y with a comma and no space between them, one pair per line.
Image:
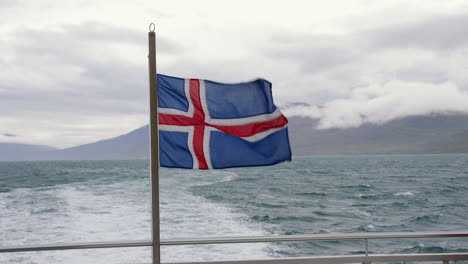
210,125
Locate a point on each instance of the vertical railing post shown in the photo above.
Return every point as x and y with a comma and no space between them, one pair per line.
367,246
154,146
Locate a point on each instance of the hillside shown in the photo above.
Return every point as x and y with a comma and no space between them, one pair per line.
419,134
16,151
411,135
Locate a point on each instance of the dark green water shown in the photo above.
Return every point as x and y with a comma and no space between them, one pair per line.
352,194
45,202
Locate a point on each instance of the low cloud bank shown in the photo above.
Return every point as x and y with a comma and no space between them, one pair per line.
382,102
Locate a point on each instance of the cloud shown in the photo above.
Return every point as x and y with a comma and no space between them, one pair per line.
90,75
383,74
75,77
9,135
8,3
316,53
381,102
437,33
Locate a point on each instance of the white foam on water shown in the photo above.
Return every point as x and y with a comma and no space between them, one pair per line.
194,216
362,212
94,211
404,194
73,213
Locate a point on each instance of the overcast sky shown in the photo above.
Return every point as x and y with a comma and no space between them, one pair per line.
73,72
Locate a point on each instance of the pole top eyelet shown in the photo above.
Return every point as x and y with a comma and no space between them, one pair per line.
152,27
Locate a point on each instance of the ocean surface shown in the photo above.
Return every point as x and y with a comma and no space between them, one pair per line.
84,201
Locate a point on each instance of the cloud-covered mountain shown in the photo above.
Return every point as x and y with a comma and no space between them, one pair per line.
409,135
417,134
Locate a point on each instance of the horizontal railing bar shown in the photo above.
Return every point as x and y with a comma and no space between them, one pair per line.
67,246
345,259
315,237
225,240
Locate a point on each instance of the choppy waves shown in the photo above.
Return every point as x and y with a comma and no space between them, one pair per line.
116,207
49,202
351,194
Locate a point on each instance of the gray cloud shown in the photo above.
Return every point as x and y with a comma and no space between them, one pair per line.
438,33
78,76
78,37
9,135
318,53
315,53
380,75
73,68
75,83
9,3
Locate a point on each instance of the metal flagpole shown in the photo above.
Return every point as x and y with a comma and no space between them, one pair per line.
154,142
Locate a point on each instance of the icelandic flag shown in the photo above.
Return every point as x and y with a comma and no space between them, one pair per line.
210,125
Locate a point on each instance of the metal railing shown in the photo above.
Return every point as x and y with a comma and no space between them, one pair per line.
365,237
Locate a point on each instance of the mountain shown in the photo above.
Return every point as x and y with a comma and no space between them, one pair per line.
133,145
16,151
410,135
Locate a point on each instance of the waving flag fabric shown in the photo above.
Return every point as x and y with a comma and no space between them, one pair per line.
209,125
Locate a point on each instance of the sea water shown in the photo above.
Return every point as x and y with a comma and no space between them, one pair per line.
89,201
